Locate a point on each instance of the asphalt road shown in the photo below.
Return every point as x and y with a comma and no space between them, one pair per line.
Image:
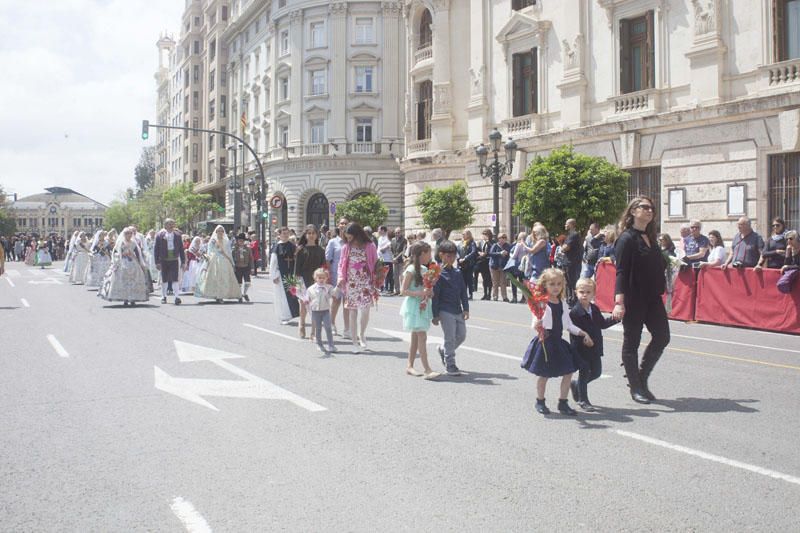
252,429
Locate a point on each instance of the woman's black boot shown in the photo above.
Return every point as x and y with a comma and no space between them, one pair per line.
635,384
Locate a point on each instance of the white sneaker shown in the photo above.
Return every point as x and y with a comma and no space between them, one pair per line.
356,348
346,335
285,322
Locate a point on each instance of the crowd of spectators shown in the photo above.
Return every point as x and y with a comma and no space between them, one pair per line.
20,245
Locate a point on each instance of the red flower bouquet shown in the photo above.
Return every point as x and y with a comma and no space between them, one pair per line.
429,279
537,299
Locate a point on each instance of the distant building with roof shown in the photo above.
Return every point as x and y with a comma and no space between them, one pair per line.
59,210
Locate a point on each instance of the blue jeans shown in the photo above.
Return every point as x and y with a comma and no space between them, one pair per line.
587,271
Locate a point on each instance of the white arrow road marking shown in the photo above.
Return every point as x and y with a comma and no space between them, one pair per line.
710,457
10,282
253,386
39,273
272,332
45,281
57,346
24,302
404,335
189,517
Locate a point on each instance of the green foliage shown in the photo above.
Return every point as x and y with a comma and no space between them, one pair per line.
8,224
367,210
118,215
184,205
448,208
566,185
145,171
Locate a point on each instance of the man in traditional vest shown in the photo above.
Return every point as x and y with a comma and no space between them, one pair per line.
169,258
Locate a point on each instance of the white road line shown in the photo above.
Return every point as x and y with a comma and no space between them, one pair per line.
405,336
710,457
272,332
189,517
10,282
24,302
14,273
57,346
473,326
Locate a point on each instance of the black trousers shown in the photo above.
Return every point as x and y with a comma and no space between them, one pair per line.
466,273
638,314
572,274
482,270
589,369
519,277
242,273
388,285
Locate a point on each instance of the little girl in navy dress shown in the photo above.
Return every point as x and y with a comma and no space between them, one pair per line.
554,357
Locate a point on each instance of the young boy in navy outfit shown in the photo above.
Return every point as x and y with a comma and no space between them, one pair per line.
450,307
587,316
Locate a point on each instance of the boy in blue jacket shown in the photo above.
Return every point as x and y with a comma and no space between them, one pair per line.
587,316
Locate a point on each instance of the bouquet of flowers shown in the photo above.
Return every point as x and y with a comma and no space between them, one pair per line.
537,299
295,286
672,268
381,270
429,279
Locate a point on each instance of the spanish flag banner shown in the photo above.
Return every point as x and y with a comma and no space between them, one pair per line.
243,122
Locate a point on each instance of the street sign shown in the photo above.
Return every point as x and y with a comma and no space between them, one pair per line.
274,220
250,386
333,208
276,202
492,218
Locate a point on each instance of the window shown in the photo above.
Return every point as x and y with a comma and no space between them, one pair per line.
196,47
197,21
223,106
186,104
317,131
224,12
195,124
317,82
425,32
258,61
364,31
637,54
211,77
196,73
256,105
223,76
284,42
211,109
212,50
195,176
786,34
195,152
284,87
516,5
646,182
525,83
284,135
281,3
317,35
784,188
363,79
195,100
424,104
364,130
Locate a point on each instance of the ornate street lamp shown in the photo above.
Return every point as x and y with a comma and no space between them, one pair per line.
234,187
495,170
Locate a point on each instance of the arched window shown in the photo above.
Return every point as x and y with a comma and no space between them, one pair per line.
425,32
317,210
424,107
360,194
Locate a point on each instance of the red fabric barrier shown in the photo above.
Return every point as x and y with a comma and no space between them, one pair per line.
683,297
744,297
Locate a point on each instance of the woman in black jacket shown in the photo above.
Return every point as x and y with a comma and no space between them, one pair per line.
482,264
467,254
637,296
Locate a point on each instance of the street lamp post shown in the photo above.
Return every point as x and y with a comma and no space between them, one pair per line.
496,169
234,186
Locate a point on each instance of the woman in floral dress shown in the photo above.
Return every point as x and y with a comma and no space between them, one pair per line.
356,278
125,279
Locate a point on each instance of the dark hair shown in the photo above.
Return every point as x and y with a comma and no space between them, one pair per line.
447,247
303,240
383,228
779,220
668,240
414,253
716,234
626,220
358,233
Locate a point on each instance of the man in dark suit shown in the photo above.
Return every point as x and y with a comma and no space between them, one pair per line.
169,258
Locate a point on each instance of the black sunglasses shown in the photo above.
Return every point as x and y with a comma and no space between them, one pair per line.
646,207
777,225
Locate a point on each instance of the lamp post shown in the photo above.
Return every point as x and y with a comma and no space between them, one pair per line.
234,186
495,170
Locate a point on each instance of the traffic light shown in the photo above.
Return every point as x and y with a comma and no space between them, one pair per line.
264,215
145,129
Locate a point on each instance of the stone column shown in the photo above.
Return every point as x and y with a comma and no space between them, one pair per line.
296,81
391,67
338,86
273,92
478,106
441,119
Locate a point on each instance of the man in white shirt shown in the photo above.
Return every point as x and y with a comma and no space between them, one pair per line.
385,253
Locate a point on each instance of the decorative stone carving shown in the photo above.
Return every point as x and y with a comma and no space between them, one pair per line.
296,16
441,5
476,77
338,8
441,98
391,9
704,16
573,55
629,149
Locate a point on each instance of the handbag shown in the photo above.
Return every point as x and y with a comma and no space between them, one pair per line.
786,281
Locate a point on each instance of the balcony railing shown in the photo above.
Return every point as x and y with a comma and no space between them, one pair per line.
783,73
315,149
634,103
521,126
418,147
422,54
363,148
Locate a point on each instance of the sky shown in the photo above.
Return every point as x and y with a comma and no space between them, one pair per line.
77,79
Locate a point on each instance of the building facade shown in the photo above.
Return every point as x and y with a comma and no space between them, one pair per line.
698,99
59,210
316,90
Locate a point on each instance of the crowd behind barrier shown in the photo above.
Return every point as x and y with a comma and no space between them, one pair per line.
731,297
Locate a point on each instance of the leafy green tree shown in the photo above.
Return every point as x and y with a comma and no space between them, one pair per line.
145,171
448,208
367,210
118,215
566,184
8,224
148,209
185,205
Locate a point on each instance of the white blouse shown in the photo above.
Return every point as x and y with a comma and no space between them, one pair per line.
566,322
717,255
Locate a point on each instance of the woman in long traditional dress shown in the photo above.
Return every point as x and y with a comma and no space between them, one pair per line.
43,257
217,279
100,260
125,279
30,252
356,280
281,266
80,260
71,251
193,264
149,254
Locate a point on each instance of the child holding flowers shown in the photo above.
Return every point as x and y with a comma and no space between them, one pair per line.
548,355
415,310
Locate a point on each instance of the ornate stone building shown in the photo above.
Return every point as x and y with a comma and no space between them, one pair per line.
316,88
59,210
698,99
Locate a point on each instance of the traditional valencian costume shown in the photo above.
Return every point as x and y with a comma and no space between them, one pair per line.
281,265
100,260
169,257
194,261
217,279
43,257
80,259
71,252
125,279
